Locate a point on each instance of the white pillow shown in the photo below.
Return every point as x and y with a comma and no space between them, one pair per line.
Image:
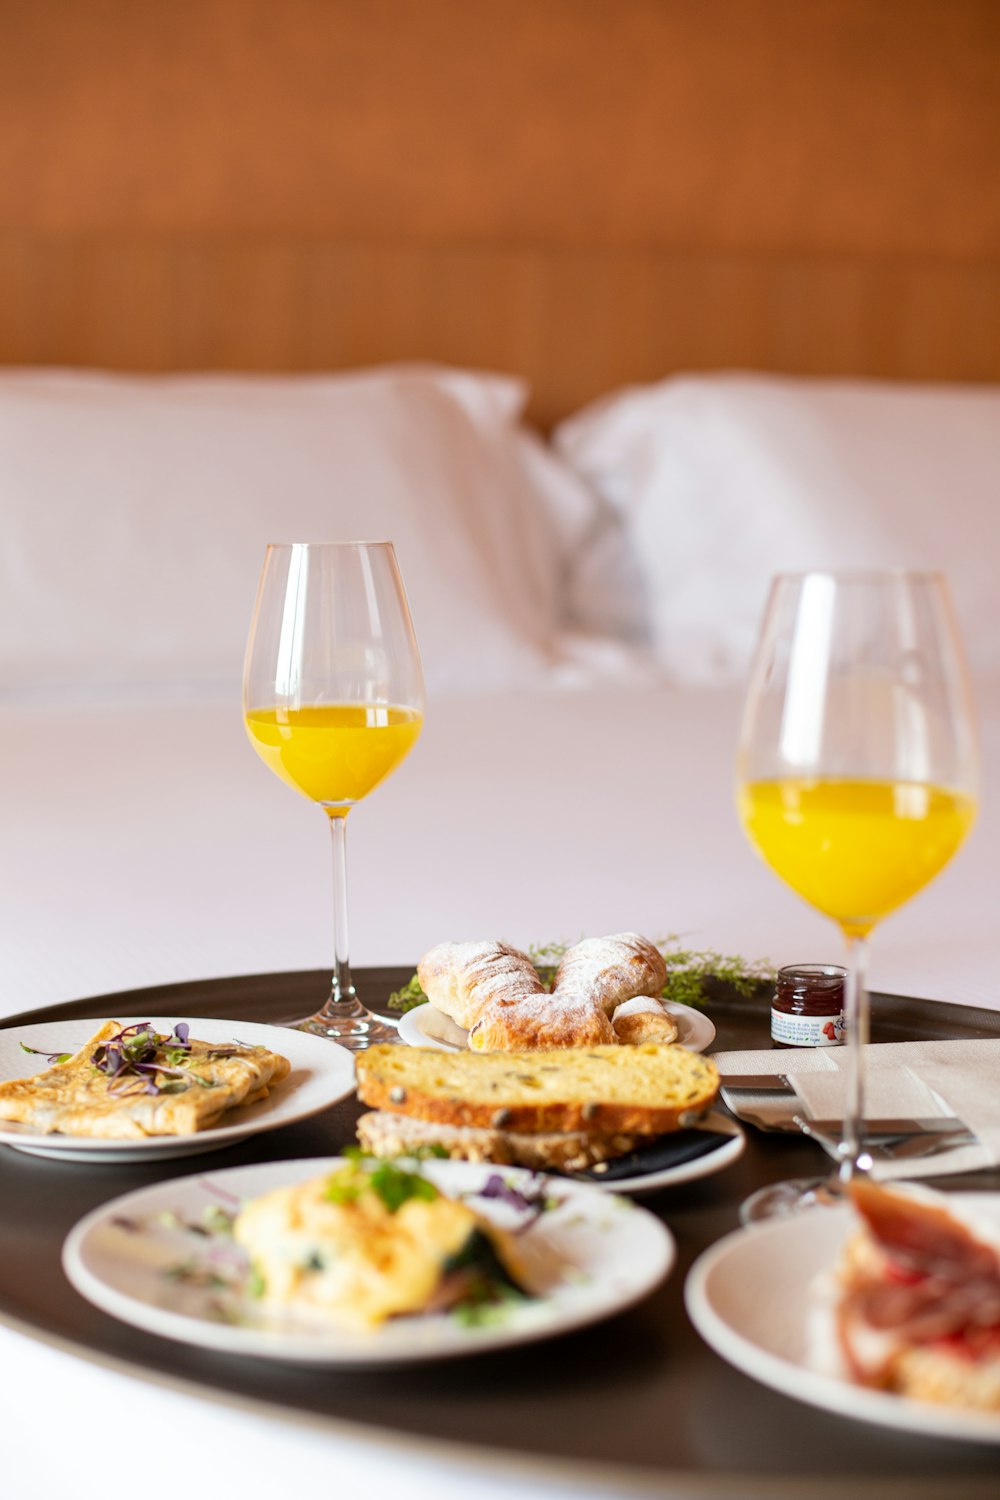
134,512
725,480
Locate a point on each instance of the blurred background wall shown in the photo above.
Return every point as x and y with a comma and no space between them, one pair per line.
588,192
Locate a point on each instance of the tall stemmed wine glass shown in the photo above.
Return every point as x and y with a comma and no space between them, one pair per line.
856,777
333,699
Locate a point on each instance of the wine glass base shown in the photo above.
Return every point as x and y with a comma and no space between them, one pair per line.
780,1200
350,1025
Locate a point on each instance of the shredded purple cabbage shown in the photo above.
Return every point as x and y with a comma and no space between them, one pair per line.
532,1204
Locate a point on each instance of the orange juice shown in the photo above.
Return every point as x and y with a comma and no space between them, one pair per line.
855,849
335,753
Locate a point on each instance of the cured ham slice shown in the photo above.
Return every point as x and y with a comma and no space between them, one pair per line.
918,1304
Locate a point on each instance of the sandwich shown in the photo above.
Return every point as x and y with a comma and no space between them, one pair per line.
554,1110
913,1305
130,1082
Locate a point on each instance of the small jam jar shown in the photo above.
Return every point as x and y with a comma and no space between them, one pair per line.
808,1006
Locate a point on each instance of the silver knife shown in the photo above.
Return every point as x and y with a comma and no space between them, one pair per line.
781,1082
898,1128
934,1125
755,1081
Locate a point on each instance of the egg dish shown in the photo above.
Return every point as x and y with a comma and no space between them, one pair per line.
372,1241
130,1082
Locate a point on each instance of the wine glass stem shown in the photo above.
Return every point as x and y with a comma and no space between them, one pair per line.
856,1023
343,1018
342,987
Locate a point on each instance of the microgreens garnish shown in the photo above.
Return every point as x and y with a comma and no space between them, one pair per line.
218,1220
532,1201
191,1273
51,1057
487,1304
140,1060
137,1057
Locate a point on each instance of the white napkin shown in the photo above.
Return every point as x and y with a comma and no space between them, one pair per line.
903,1079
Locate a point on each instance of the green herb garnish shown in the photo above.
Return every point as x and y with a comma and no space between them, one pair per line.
52,1057
218,1220
409,997
487,1304
190,1273
394,1185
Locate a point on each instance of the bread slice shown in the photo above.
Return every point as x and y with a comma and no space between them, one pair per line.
948,1377
644,1090
551,1151
644,1019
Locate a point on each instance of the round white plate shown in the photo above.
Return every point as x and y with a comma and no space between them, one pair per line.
750,1298
322,1073
731,1145
425,1026
588,1257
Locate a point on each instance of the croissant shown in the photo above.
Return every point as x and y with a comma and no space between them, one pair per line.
494,991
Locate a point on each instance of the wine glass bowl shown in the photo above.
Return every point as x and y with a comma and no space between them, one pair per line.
333,702
856,773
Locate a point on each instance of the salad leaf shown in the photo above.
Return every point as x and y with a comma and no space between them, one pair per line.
393,1184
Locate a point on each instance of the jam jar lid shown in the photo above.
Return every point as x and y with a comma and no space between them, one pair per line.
810,989
823,976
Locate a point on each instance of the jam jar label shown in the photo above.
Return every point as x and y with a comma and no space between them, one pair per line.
807,1031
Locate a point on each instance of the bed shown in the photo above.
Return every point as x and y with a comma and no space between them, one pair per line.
448,327
575,773
586,608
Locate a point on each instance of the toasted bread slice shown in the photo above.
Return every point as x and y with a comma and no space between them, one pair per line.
642,1090
552,1151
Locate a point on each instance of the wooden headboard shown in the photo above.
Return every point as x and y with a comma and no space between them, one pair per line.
587,192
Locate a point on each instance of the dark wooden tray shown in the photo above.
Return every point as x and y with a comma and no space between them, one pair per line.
638,1403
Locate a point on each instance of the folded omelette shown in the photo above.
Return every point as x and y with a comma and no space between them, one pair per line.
126,1083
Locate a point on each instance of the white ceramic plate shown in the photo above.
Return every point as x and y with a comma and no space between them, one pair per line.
587,1258
749,1297
425,1026
322,1073
731,1144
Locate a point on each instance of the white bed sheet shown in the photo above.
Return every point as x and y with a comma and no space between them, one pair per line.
146,844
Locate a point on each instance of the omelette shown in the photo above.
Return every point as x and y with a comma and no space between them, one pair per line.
368,1243
127,1083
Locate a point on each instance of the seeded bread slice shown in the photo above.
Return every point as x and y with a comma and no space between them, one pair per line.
642,1090
559,1151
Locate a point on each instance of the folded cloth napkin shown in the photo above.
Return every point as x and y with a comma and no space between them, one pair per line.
902,1079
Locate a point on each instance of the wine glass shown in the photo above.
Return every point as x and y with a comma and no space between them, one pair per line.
856,778
333,701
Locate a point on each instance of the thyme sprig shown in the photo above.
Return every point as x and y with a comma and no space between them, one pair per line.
690,972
